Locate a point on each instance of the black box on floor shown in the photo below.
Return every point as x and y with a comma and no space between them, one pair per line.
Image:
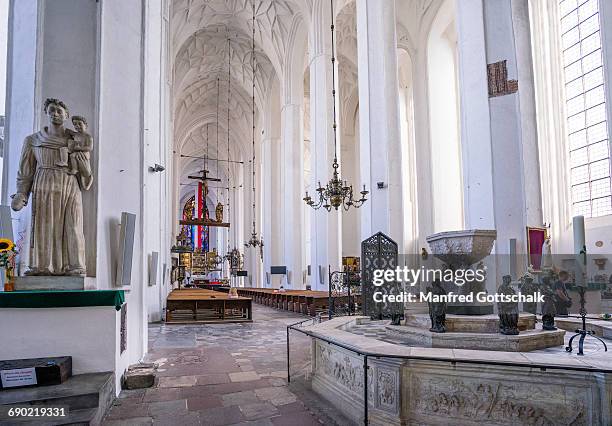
16,373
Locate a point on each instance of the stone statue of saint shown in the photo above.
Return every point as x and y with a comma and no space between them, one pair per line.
219,212
508,311
437,310
549,309
547,258
57,243
529,287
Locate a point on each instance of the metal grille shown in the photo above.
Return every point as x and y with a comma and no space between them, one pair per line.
379,252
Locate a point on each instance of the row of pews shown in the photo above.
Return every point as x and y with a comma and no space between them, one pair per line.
306,302
206,306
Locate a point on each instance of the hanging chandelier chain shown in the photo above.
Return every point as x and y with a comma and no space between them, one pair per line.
229,93
333,61
218,92
336,193
253,110
254,241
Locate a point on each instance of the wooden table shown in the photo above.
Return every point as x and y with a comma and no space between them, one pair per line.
206,306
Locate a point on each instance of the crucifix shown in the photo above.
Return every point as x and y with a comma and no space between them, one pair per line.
204,178
205,220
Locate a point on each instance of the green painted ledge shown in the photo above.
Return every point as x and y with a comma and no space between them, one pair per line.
62,298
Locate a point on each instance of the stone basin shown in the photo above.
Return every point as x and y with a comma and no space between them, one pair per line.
462,248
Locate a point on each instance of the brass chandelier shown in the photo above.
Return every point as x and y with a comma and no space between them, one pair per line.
336,193
255,241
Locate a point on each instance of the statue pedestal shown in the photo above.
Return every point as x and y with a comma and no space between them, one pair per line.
27,283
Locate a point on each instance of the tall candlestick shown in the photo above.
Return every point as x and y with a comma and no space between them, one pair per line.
579,249
579,237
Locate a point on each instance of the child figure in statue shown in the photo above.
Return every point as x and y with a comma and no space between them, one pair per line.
81,140
529,287
508,311
548,308
437,310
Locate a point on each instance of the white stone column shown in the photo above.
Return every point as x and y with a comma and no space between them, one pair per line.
513,124
527,104
475,127
350,171
272,196
23,107
498,137
422,151
325,226
292,172
380,135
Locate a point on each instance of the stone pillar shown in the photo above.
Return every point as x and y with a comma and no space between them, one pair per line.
380,135
325,226
475,129
498,127
292,172
513,121
22,107
272,196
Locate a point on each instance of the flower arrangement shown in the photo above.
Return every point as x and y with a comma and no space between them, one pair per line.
8,252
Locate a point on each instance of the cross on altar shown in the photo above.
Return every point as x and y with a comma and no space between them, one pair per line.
206,220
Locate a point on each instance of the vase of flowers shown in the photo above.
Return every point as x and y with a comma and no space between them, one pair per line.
8,252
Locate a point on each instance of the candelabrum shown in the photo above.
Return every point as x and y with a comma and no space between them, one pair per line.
583,332
335,194
255,242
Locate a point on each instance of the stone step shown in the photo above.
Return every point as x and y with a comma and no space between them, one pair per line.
87,397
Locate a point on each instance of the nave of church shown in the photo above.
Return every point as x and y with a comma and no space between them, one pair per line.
317,211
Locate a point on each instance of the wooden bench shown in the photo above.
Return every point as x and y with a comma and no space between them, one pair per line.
206,306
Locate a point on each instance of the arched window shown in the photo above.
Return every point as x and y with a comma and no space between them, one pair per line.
585,108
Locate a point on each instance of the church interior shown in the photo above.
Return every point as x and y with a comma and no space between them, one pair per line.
304,212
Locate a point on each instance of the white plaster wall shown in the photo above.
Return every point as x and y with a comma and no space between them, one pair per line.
121,156
156,151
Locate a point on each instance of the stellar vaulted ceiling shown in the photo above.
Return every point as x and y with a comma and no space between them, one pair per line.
199,41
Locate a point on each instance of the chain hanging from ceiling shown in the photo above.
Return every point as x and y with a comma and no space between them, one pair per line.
233,255
336,193
255,241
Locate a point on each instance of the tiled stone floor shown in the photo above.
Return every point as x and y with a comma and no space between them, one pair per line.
226,374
